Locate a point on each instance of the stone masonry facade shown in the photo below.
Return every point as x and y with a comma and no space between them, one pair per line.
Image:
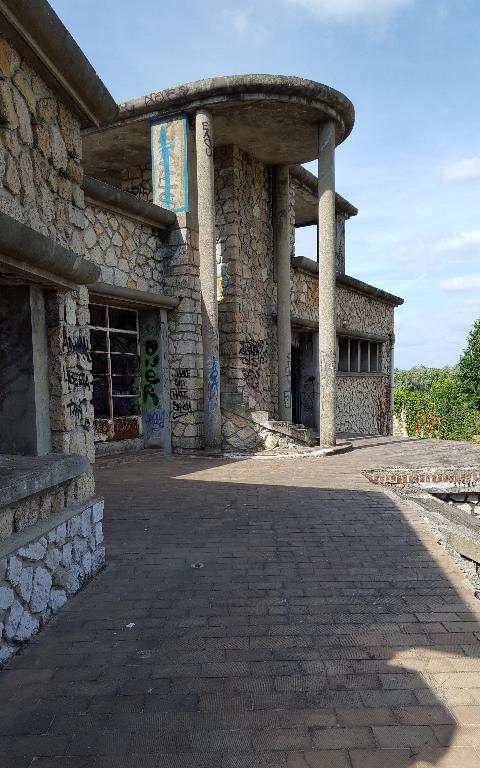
40,155
41,177
37,577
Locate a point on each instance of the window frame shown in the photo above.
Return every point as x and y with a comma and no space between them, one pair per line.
356,348
107,329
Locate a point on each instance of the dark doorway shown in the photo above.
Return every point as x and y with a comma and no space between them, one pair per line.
296,386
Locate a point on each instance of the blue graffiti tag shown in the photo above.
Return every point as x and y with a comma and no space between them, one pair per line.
213,391
154,419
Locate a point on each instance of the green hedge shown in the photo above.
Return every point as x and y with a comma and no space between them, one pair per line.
444,413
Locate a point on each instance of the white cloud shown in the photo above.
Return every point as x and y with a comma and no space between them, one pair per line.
463,283
424,252
345,10
238,19
465,241
463,170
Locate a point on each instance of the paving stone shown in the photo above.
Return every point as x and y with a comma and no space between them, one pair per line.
304,640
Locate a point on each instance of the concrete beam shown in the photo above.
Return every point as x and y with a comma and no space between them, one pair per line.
23,244
104,293
116,200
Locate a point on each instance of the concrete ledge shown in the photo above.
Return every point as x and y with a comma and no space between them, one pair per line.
129,296
118,201
302,264
42,527
37,32
22,244
22,476
309,180
45,565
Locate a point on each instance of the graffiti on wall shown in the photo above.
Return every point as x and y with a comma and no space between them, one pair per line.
308,393
75,342
253,354
151,382
170,163
181,404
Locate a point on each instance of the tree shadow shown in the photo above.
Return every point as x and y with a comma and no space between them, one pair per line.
278,621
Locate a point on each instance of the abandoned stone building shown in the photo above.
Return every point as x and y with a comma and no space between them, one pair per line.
151,295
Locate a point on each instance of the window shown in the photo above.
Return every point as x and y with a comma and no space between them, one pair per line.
115,363
358,355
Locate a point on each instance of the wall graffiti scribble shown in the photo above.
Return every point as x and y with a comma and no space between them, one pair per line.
150,379
308,393
181,404
253,354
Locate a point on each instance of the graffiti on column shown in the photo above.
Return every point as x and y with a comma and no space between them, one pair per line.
212,391
253,354
207,139
181,404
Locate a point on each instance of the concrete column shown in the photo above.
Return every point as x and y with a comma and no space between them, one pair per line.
208,281
392,378
281,229
326,282
316,383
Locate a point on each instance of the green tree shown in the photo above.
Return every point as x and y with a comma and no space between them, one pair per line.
469,368
420,378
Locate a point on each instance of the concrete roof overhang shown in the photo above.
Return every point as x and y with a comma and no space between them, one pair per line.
38,34
306,199
272,117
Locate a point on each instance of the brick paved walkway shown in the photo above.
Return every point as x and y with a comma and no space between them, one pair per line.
326,627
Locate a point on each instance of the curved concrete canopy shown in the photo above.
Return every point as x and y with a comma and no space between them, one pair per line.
272,117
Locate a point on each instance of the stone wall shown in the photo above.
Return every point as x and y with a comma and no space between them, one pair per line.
137,180
40,569
181,278
363,401
243,434
247,291
176,273
40,155
363,404
303,295
128,252
24,513
70,377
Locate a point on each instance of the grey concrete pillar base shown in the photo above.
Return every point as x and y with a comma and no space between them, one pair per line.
326,284
208,279
281,228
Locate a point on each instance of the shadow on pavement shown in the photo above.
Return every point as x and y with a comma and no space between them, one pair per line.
277,624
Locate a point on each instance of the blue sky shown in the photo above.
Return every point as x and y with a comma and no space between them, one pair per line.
412,163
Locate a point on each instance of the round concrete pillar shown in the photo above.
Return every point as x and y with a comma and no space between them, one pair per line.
391,336
208,279
281,227
326,283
